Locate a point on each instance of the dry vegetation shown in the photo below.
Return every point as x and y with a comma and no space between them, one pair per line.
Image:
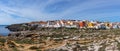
55,38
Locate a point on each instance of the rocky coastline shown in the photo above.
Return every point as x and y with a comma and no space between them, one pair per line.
24,37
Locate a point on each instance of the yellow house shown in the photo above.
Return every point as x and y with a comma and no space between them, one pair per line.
90,25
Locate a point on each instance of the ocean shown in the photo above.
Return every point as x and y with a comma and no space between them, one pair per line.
4,31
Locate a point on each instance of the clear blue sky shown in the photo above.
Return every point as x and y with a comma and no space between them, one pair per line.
19,11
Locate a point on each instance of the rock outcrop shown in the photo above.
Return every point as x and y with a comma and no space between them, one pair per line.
21,27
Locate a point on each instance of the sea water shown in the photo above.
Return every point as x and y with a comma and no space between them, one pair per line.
4,31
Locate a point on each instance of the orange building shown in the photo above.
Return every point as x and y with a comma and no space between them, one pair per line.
82,24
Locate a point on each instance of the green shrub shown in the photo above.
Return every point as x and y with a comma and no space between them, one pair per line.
38,50
2,40
25,41
15,49
33,48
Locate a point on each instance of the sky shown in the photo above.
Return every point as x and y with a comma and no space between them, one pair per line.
20,11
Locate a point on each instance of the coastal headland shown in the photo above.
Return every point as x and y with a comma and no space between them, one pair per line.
62,35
